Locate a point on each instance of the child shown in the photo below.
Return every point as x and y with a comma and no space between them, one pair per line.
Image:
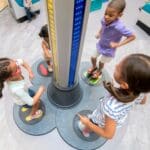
110,35
10,71
46,47
133,76
27,5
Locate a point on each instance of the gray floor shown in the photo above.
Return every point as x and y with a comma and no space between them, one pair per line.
22,41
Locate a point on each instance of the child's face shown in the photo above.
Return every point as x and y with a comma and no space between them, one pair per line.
111,14
119,77
117,73
12,66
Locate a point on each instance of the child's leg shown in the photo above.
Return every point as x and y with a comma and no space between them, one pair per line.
48,62
102,60
48,59
33,14
94,62
28,13
35,113
98,72
94,67
36,100
35,107
50,66
101,66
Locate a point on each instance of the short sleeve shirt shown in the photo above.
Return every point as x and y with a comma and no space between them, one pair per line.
114,109
19,90
111,33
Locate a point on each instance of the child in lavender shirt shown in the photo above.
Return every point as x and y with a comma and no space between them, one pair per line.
110,35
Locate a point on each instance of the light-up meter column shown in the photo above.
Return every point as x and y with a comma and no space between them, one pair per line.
67,20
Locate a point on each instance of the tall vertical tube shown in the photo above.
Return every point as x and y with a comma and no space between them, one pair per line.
67,21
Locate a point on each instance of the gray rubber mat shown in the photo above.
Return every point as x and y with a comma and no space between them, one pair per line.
65,118
23,115
43,126
92,135
45,66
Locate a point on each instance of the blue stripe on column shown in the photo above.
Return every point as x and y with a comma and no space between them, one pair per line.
79,8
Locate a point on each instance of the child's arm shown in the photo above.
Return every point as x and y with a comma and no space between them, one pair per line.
45,49
38,94
98,34
127,40
108,131
28,68
144,100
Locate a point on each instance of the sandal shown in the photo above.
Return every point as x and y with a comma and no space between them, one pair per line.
96,74
38,114
43,70
24,109
90,71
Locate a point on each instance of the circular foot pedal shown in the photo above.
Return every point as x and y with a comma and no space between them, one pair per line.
90,81
25,110
42,69
92,136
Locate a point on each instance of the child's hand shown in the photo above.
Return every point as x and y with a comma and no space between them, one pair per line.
85,120
31,75
97,36
114,44
42,88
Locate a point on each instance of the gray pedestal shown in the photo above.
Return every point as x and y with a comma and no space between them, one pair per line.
64,98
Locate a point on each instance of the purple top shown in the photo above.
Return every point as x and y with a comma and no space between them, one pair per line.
111,33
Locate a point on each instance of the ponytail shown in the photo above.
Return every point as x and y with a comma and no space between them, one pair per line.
135,71
122,95
4,72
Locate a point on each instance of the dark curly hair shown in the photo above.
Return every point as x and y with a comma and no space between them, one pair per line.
4,72
119,5
44,31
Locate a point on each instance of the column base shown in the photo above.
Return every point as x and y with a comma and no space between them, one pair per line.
64,98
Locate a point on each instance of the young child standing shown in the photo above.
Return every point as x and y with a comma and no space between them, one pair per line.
46,47
133,76
110,35
10,72
27,5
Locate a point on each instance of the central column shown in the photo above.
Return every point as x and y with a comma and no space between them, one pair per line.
67,20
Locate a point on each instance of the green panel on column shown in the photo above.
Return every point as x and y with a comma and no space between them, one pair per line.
95,5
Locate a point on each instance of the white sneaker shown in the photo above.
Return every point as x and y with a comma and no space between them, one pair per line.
50,69
82,128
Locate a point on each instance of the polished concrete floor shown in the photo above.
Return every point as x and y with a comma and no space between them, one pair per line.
20,40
